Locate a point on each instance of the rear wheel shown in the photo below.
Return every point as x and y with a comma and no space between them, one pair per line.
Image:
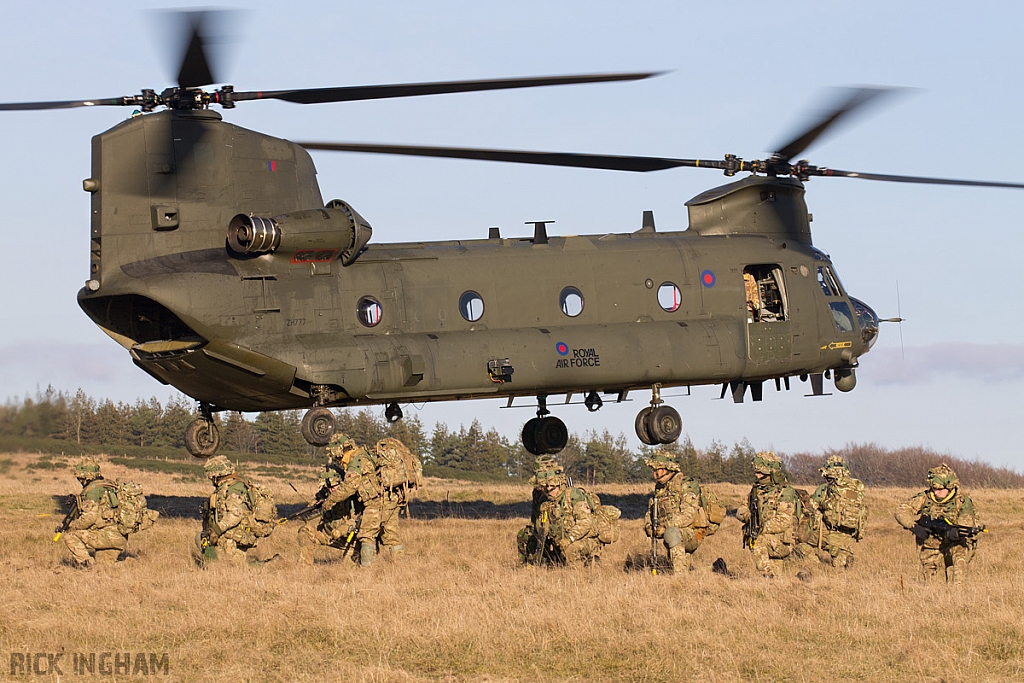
202,438
552,435
318,425
664,424
641,425
530,436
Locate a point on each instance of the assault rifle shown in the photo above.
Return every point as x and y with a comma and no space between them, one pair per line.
654,535
305,514
350,538
943,528
754,524
73,513
541,554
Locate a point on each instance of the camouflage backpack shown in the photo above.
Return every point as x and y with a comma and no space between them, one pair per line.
606,518
397,467
805,528
713,510
132,514
843,506
264,510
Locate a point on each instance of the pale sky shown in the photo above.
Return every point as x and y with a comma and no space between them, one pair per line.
744,75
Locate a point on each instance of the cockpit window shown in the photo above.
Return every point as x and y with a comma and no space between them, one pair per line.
841,316
829,282
766,293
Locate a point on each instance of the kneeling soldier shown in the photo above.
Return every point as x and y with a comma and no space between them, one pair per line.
93,530
674,512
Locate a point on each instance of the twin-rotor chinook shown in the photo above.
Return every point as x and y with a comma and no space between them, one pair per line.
216,263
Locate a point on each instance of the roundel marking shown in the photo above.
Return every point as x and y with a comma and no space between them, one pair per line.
562,348
707,278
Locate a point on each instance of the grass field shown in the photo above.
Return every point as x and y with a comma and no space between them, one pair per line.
459,607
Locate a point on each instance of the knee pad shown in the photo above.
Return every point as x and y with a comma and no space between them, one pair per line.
672,537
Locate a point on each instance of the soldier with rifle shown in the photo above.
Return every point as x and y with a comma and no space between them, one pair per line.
769,517
90,527
674,513
945,524
535,543
337,527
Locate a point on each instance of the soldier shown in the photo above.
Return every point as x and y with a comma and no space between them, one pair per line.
769,517
573,524
378,522
676,508
840,500
335,527
229,527
945,523
532,541
94,530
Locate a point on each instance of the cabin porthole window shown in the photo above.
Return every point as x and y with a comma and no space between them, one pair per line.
571,301
471,306
369,311
668,297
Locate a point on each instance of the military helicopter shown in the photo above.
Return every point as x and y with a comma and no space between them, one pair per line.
216,264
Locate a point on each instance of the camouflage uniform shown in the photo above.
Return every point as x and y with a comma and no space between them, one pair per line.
769,517
378,525
94,530
952,552
682,522
330,528
534,535
227,516
837,540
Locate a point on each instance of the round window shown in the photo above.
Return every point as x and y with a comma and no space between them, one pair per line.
471,306
668,297
571,301
368,311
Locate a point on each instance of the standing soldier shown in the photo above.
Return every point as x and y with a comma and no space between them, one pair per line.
93,530
533,542
945,523
335,527
844,515
770,515
674,512
378,524
237,515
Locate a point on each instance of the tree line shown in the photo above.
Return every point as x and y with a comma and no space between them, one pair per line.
468,452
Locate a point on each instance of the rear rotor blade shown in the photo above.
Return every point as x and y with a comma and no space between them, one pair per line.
195,67
599,161
854,99
378,92
921,180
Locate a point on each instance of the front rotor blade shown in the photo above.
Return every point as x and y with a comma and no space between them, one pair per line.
599,161
69,104
854,99
378,92
921,180
195,67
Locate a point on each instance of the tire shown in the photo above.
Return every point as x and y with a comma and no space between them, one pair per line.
664,424
202,438
318,425
552,435
642,429
530,436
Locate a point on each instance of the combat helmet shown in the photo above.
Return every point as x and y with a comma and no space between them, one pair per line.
218,466
660,460
544,467
87,469
766,462
835,467
942,477
339,442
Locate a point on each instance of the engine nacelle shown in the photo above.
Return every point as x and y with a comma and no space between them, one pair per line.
309,236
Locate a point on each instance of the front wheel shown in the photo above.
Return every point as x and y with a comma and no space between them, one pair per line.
318,425
664,424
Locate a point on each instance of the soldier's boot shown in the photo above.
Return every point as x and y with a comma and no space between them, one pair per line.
107,556
82,564
367,551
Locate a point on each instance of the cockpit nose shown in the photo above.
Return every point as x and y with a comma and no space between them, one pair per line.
868,321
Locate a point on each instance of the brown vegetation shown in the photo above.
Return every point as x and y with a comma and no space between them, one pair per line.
458,607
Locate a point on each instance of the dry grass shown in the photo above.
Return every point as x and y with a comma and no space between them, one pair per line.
459,608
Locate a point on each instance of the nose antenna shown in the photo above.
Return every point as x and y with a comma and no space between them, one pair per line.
898,319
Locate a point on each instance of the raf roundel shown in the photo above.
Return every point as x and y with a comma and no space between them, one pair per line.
562,348
707,278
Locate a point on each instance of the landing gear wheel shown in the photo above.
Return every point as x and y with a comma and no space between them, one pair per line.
664,424
318,425
530,436
641,425
202,438
551,435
